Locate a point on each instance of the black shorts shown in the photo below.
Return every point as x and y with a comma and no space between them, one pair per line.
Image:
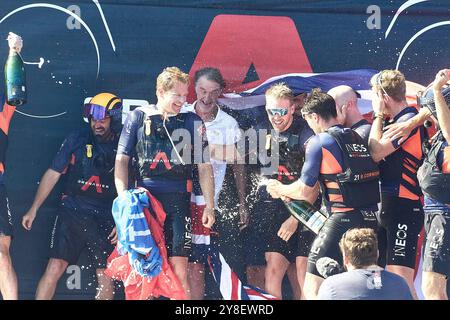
298,245
326,243
256,236
5,214
177,226
75,230
436,255
402,221
269,215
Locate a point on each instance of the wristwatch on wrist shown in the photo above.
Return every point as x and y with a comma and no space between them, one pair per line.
377,115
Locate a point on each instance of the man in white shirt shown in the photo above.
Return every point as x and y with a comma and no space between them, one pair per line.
223,133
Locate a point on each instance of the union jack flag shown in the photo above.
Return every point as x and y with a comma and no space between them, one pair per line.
231,287
247,107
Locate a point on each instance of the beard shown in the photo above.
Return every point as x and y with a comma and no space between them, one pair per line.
103,137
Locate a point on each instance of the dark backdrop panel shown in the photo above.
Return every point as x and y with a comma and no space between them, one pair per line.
148,36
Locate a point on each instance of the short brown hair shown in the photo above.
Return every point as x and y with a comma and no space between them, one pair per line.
393,82
167,78
212,74
360,246
280,91
321,103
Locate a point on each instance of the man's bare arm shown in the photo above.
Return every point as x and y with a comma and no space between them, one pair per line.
402,130
297,190
48,182
206,179
240,178
121,173
379,146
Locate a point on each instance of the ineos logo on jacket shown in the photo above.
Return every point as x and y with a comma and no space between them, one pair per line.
356,147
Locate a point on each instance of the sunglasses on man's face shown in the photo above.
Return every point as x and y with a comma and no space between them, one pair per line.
281,112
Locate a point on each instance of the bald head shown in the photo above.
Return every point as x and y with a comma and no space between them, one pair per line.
343,94
346,104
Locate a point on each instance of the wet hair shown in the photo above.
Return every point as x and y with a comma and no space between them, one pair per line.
169,76
360,246
280,91
321,103
391,81
212,74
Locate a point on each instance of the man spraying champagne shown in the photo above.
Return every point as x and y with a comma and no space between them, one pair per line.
8,278
338,162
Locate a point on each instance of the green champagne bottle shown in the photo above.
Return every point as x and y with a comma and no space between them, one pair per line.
304,212
16,93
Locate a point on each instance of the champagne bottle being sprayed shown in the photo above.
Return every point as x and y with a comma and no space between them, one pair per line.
304,212
16,93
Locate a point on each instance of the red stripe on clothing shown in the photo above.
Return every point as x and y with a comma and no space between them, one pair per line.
234,286
5,117
414,145
329,164
405,193
446,161
408,179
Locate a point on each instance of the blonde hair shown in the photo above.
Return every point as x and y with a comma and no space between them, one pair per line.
280,91
393,82
169,76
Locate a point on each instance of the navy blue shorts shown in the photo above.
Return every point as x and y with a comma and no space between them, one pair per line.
267,216
257,235
178,225
401,221
326,244
436,254
6,226
298,245
75,230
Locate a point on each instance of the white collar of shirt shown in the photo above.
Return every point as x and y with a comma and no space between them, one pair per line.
218,115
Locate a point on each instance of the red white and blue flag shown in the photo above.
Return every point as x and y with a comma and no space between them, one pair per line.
255,293
299,83
231,287
305,82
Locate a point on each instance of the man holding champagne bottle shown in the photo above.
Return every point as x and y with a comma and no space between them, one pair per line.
8,278
338,162
286,245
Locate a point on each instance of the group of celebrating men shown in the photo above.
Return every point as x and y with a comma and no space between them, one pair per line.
327,154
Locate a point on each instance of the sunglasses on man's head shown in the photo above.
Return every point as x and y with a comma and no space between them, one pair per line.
379,78
305,114
277,112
